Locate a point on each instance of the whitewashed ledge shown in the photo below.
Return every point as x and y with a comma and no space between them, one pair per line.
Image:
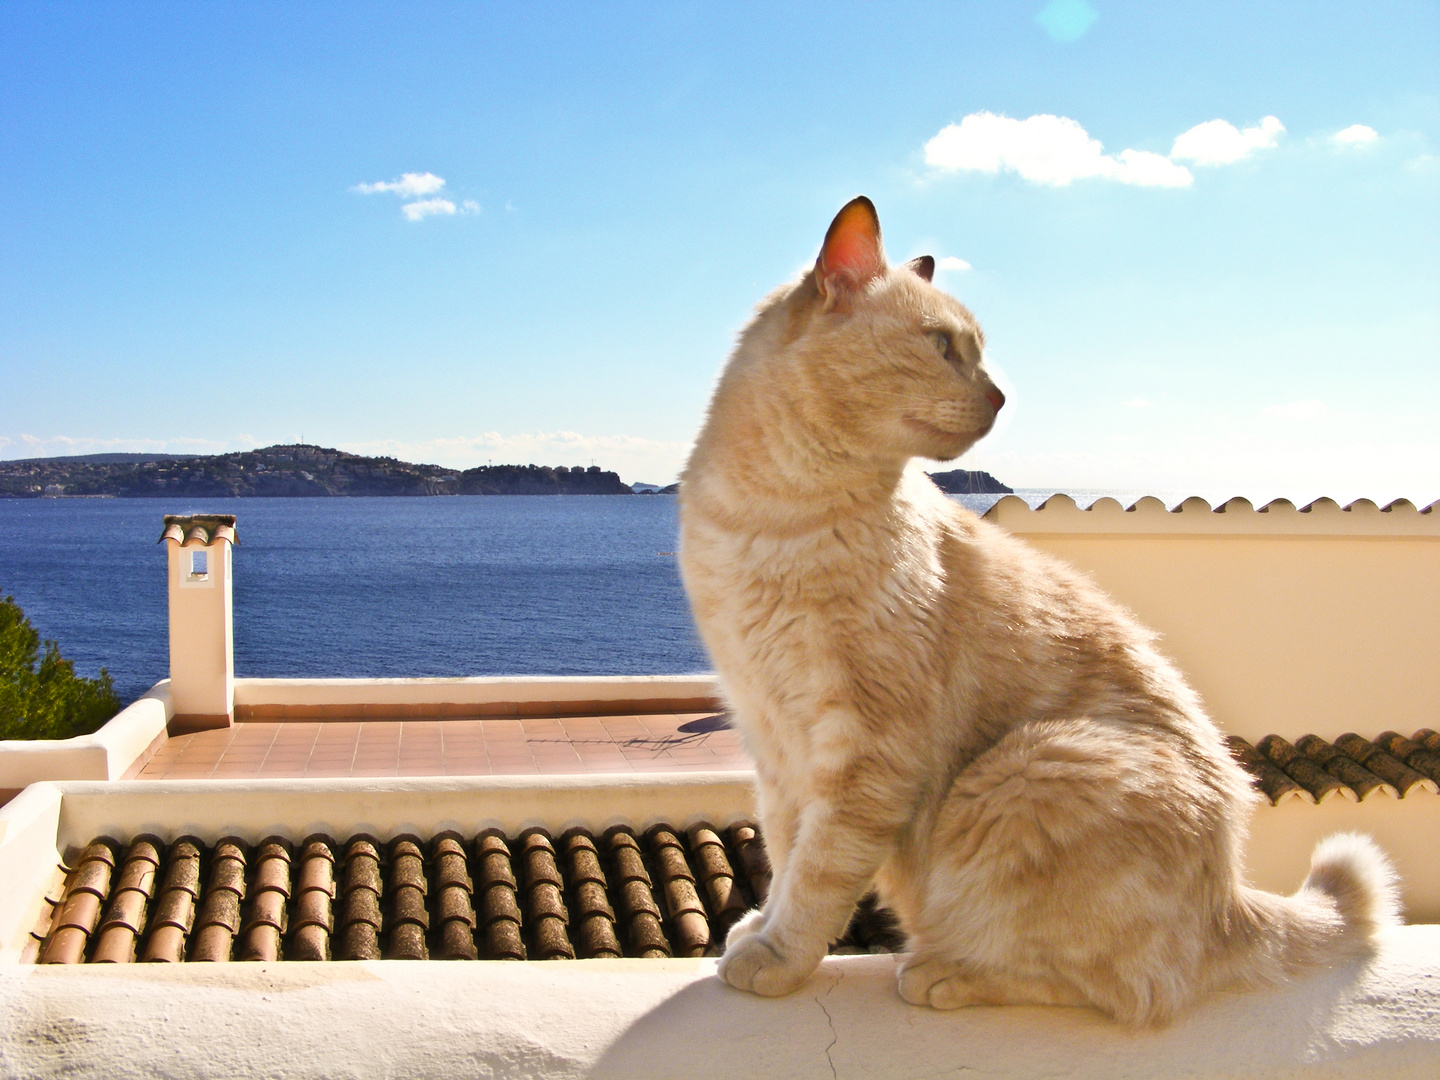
634,1019
124,742
600,1019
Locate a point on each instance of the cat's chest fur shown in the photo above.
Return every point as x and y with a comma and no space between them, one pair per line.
817,631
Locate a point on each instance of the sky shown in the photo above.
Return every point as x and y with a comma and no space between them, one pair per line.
1203,239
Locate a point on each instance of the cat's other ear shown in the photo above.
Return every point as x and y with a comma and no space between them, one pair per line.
924,266
852,254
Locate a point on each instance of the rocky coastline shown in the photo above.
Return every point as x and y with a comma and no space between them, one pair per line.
301,470
296,470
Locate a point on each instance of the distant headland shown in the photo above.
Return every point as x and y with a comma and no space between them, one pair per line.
298,469
303,470
969,482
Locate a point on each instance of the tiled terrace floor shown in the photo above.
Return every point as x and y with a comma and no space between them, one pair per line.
589,744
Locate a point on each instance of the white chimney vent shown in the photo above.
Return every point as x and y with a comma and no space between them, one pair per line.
202,637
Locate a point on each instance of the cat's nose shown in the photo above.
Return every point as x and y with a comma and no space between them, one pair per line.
995,397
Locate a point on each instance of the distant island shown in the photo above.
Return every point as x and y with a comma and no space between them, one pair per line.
969,482
303,470
293,470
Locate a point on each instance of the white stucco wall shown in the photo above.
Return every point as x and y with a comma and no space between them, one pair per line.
1286,621
637,1019
105,754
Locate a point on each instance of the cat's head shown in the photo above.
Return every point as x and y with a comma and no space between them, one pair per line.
895,366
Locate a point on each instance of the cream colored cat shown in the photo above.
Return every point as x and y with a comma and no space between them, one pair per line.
939,712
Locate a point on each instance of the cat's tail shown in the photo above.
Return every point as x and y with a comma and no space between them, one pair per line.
1349,896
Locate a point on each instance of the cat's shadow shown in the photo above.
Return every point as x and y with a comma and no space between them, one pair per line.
708,1029
703,725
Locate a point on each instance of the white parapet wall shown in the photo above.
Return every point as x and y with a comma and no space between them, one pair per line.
476,696
602,1018
107,754
1317,620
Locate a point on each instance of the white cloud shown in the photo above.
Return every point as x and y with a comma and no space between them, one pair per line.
410,185
1297,410
425,207
469,206
950,262
1045,149
1219,142
1356,135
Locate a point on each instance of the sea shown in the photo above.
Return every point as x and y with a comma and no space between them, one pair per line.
377,587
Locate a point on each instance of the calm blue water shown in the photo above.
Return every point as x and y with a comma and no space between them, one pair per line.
540,585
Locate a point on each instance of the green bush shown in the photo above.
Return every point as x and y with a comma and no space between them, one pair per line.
41,697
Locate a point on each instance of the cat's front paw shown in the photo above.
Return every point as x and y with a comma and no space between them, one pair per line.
748,925
758,964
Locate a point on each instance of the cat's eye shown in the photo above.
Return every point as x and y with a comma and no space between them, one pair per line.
942,342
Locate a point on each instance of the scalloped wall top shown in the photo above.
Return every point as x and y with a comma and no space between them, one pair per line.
1323,517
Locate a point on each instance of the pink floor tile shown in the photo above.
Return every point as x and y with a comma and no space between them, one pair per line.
468,747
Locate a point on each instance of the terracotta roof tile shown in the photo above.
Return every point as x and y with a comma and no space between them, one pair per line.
1344,768
745,840
1412,752
265,922
129,899
1315,780
498,904
219,918
656,894
314,918
1389,768
406,888
544,904
592,915
200,528
454,905
359,900
689,927
174,911
722,891
635,899
76,917
1269,778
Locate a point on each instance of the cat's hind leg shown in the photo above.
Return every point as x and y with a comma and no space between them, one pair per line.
1093,857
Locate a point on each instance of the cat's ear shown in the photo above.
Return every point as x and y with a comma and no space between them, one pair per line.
924,266
852,254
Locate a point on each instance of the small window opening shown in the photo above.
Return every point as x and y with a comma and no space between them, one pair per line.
199,563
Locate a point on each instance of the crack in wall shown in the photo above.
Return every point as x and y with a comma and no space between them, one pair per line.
834,1035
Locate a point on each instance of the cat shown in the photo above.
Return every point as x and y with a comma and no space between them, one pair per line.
941,713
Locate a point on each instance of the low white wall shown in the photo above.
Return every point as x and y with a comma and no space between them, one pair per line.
480,690
29,863
105,754
642,1019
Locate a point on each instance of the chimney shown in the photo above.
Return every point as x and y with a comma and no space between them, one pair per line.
202,637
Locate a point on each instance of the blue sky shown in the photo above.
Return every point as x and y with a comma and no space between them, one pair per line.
189,259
